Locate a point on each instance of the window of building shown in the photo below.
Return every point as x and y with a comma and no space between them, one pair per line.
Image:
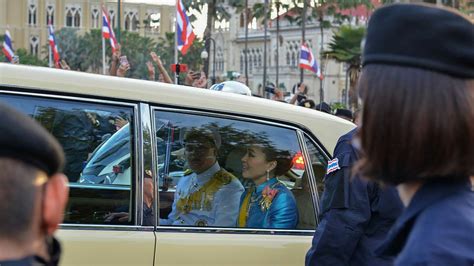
191,149
154,21
112,18
95,14
50,14
73,16
131,21
32,12
34,44
99,155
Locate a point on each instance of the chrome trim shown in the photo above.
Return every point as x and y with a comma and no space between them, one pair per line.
147,145
313,185
312,179
100,186
64,97
154,155
51,95
301,129
243,117
233,230
138,148
106,227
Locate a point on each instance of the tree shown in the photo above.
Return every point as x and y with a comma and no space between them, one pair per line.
216,11
345,47
29,59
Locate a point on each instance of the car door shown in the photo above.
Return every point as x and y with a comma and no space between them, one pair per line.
217,244
104,221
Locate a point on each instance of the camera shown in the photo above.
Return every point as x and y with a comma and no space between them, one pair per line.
270,89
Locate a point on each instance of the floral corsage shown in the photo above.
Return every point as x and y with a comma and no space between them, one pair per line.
268,194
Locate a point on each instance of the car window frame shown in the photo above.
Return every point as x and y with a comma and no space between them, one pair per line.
300,131
137,159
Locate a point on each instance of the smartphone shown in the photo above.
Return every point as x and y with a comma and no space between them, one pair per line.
123,60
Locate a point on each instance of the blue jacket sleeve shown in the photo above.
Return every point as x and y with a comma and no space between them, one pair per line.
283,212
345,213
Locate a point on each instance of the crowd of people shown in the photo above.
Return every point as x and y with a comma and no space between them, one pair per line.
399,190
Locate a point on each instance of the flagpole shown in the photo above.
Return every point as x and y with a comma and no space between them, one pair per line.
103,55
50,57
176,42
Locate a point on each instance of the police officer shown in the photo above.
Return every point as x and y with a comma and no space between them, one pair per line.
417,130
33,192
207,195
356,214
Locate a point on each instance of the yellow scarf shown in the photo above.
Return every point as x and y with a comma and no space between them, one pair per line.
203,197
244,208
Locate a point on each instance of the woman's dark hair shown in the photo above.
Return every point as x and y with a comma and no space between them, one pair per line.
282,158
416,124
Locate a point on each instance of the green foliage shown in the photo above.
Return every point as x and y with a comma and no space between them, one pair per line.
337,105
345,45
29,59
69,48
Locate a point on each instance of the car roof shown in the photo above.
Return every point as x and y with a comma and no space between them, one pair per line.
326,127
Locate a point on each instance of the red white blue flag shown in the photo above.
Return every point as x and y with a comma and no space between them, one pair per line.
54,47
184,30
7,47
307,61
107,31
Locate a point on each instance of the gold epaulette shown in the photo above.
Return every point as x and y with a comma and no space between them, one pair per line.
188,172
224,177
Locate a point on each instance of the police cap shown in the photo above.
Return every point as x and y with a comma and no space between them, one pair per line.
421,36
23,139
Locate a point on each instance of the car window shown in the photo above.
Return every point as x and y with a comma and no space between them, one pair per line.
184,198
97,141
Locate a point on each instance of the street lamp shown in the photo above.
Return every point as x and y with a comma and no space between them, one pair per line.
205,55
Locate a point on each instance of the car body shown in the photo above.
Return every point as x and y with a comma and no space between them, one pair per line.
111,216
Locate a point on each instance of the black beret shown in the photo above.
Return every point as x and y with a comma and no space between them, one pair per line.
422,36
323,107
344,112
25,140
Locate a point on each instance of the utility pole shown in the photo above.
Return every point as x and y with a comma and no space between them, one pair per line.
246,42
265,15
278,44
303,41
119,15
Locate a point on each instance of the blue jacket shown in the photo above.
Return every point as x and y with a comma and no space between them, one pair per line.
356,214
437,227
282,212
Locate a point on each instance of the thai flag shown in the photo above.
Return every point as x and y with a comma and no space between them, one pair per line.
54,47
307,61
183,29
107,31
7,46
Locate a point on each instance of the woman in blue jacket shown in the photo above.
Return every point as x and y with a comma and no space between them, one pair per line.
417,132
268,204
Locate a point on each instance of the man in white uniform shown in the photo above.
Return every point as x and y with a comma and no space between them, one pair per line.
207,195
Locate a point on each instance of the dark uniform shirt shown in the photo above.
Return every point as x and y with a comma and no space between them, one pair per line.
437,228
356,214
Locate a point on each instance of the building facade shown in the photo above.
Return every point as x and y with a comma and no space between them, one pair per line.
27,20
230,55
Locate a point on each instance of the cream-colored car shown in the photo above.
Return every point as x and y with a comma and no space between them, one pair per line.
123,140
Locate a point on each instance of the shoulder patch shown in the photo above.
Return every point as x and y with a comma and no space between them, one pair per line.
333,166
